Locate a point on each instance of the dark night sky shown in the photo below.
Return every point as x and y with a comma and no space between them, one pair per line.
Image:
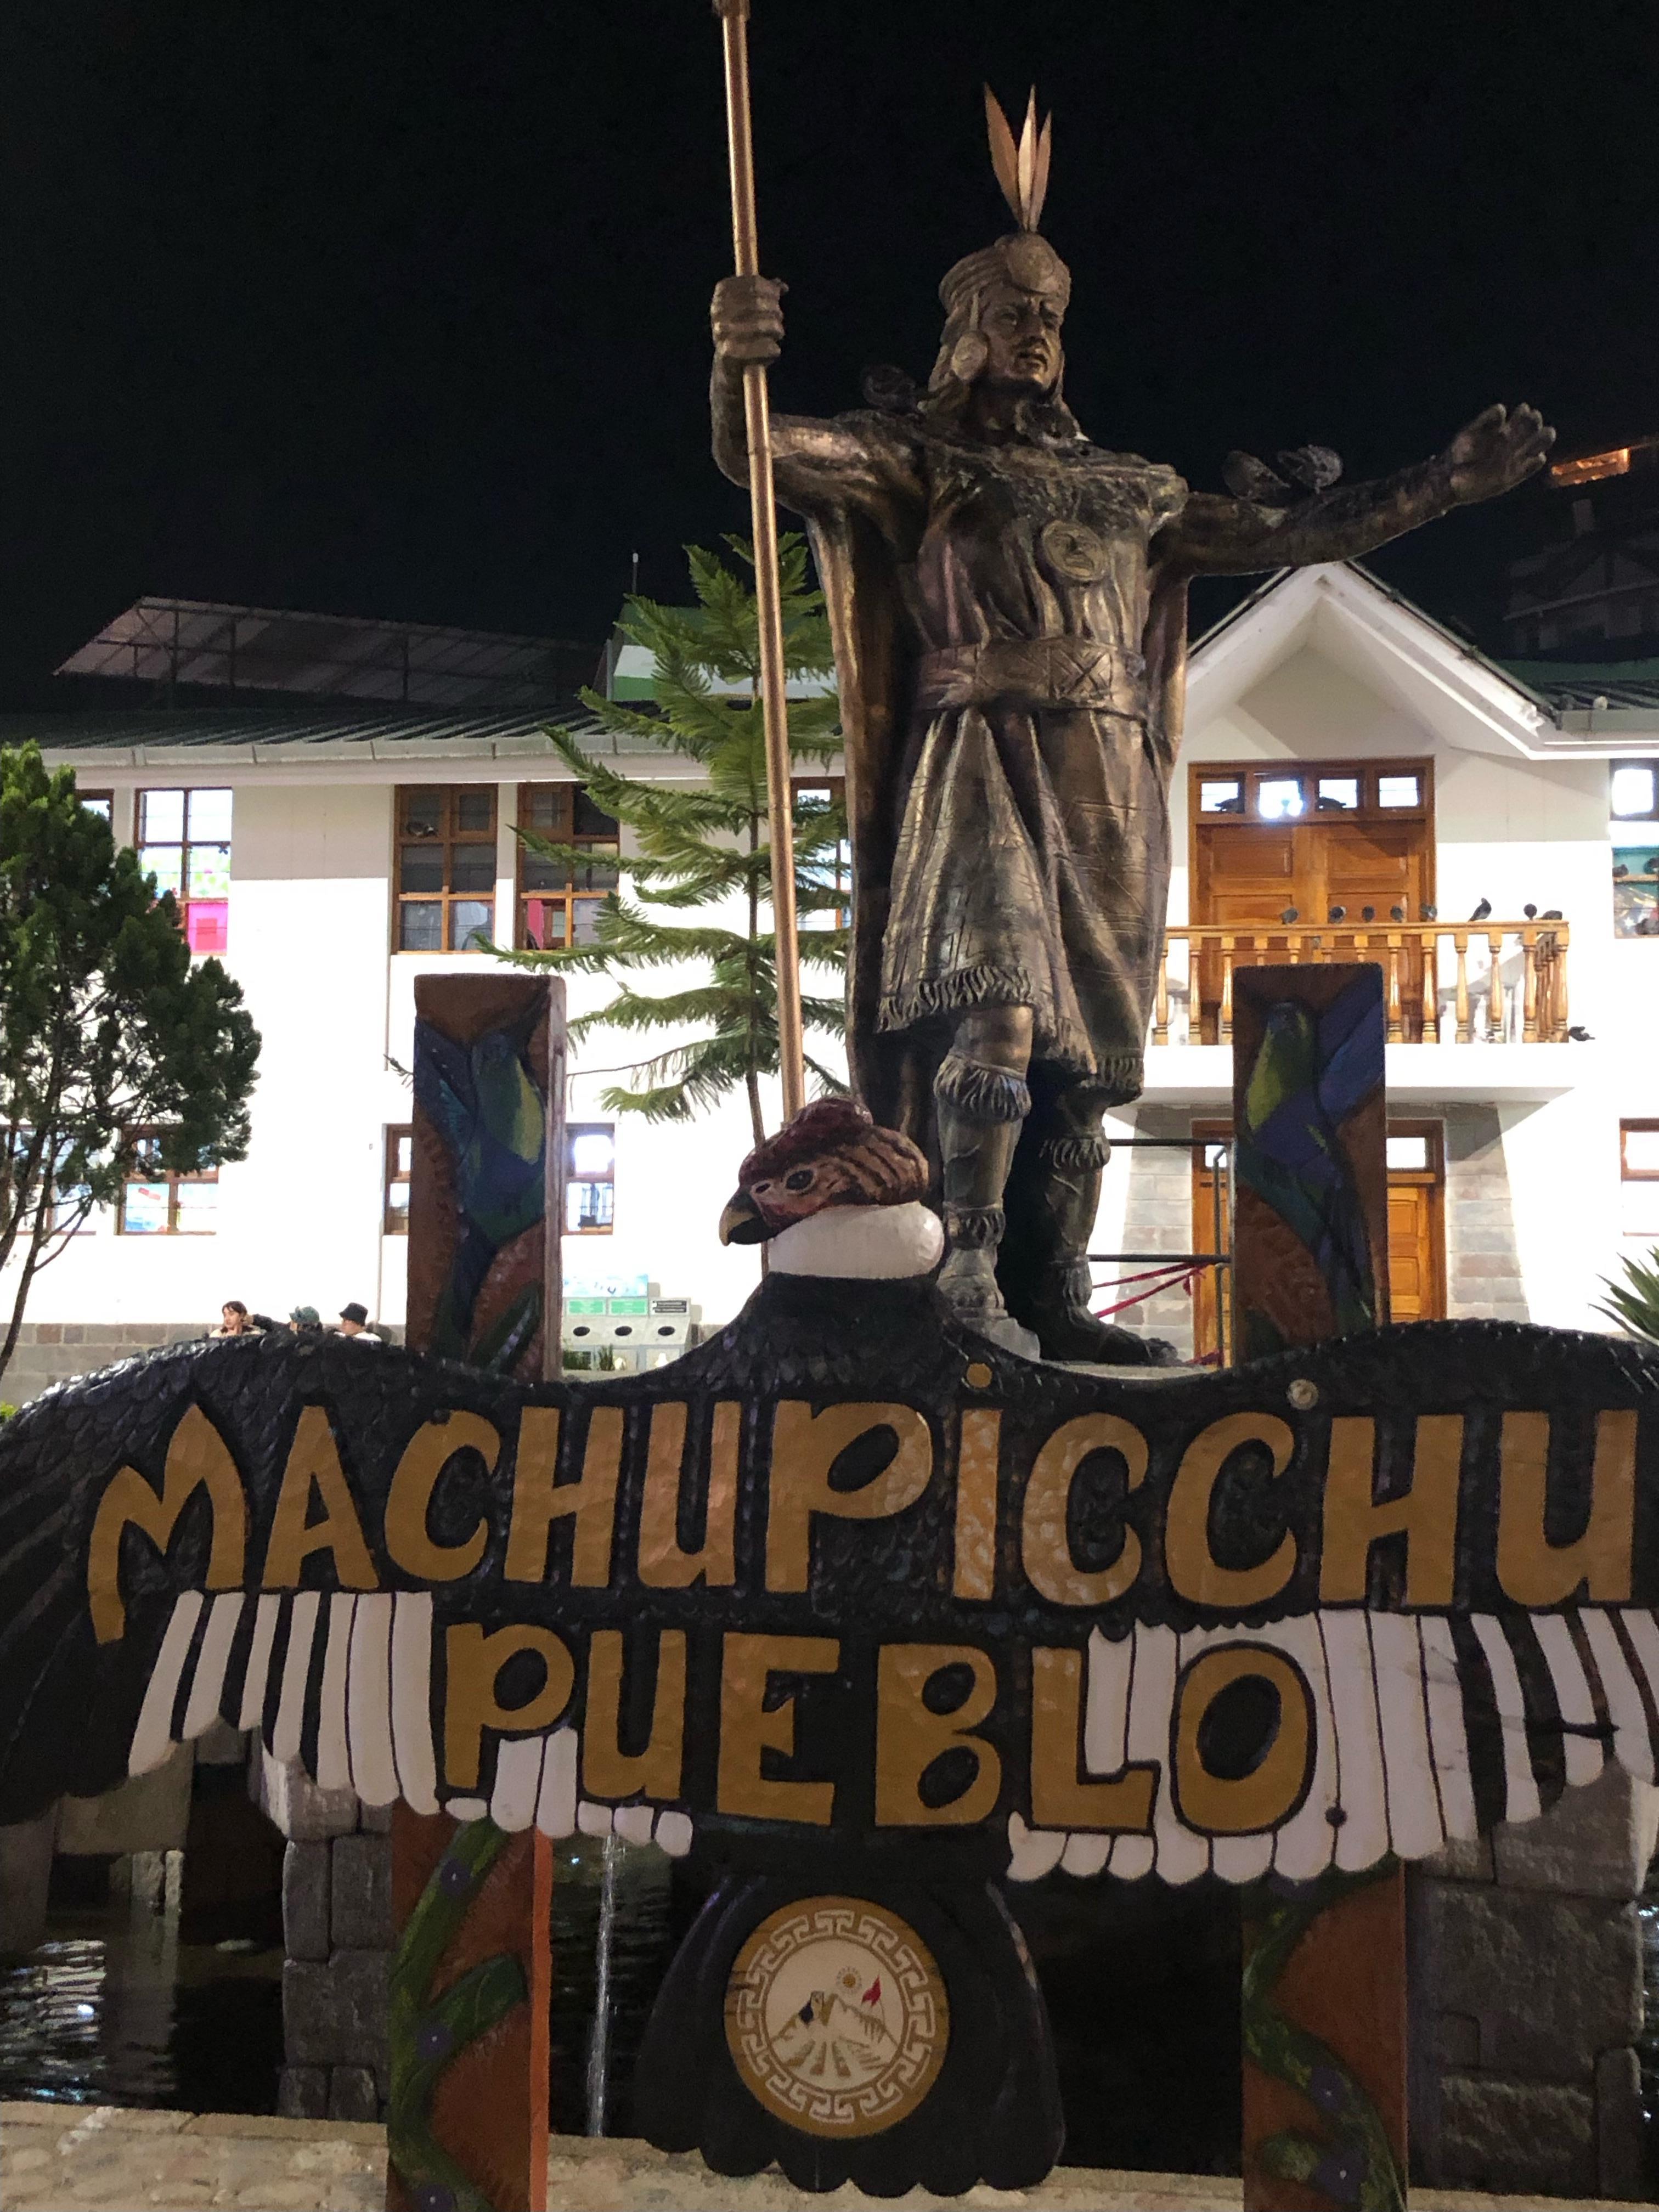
400,310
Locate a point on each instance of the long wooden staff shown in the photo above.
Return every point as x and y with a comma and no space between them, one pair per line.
757,414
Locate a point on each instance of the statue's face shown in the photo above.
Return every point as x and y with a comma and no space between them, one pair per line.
1021,330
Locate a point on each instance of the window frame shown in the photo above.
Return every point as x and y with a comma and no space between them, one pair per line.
446,841
186,844
1642,1128
174,1182
393,1222
1620,822
839,916
100,797
572,894
1251,775
571,1131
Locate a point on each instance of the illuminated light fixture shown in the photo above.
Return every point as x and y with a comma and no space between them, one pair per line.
1591,467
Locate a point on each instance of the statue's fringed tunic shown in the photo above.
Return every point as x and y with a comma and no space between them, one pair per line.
1031,855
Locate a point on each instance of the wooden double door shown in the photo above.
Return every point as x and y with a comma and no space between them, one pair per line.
1251,871
1417,1235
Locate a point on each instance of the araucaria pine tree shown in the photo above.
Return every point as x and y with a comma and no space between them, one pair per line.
706,845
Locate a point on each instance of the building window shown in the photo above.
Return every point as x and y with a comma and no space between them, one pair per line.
1635,791
184,841
447,867
399,1161
1633,802
101,803
155,1202
832,872
1638,1151
1220,795
559,901
590,1170
1281,794
1395,792
1278,796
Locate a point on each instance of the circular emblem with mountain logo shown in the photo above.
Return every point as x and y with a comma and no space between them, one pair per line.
1073,551
837,2016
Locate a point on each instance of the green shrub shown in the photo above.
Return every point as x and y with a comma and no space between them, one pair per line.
1634,1303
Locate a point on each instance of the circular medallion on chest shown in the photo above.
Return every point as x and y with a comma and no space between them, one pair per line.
1072,551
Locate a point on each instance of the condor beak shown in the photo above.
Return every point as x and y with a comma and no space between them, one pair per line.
742,1223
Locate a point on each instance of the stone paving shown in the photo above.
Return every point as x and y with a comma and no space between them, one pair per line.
95,2158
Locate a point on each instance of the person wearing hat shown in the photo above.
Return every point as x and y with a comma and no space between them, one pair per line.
354,1322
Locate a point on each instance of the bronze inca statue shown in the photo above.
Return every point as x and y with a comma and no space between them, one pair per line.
1009,606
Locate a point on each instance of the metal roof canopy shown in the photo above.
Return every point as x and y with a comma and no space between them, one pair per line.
234,648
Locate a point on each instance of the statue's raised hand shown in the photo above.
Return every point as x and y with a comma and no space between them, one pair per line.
747,316
1496,451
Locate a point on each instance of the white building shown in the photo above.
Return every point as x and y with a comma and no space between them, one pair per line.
1343,751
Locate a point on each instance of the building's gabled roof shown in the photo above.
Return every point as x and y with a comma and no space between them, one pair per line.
1442,679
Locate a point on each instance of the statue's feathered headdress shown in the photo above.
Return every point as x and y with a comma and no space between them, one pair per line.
1022,258
1022,170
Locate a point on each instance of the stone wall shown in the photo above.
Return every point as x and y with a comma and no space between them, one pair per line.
1526,1995
336,1931
51,1351
1157,1217
1483,1263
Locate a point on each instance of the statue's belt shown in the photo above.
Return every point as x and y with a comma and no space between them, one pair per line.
1043,672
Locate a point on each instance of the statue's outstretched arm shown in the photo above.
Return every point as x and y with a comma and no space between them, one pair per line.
817,463
1217,536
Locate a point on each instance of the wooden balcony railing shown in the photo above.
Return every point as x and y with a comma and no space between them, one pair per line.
1464,983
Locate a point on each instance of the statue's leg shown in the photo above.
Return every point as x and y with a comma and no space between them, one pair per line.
982,1102
1052,1195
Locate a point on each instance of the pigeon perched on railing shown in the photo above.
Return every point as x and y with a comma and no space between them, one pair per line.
1481,911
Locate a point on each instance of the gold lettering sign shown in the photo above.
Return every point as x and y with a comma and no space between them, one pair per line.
1532,1570
1193,1568
1044,1546
607,1770
663,1565
804,1448
408,1540
1246,1804
197,1459
1060,1798
974,1566
748,1728
1427,1512
909,1738
537,1501
314,1463
475,1661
